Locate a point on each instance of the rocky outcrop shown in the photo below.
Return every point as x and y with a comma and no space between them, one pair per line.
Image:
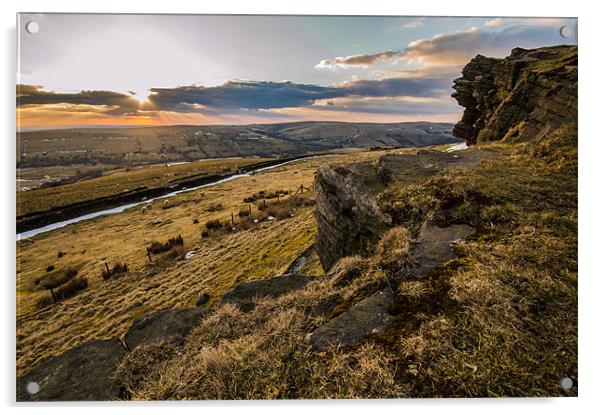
243,295
88,372
168,325
85,373
347,213
349,218
435,245
369,316
521,97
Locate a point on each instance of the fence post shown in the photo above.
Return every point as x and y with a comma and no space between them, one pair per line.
249,210
232,216
108,270
150,259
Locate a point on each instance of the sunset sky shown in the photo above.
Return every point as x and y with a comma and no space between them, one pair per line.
176,69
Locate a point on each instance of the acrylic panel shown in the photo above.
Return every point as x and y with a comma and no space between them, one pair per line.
295,207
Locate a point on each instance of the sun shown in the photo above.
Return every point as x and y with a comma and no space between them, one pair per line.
140,95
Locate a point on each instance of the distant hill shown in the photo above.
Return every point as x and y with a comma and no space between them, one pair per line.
143,145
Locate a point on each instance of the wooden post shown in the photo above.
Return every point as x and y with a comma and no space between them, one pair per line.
301,188
150,259
249,210
264,203
232,216
278,196
108,270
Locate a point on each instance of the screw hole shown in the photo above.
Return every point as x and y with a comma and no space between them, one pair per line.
33,388
32,27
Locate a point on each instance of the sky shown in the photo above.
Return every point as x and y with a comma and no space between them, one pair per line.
92,70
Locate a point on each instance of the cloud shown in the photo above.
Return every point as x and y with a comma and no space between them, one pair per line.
414,24
459,47
500,22
115,102
261,95
357,60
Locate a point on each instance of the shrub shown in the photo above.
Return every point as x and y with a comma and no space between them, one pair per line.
60,254
213,224
50,268
118,268
50,282
214,207
158,247
71,288
244,212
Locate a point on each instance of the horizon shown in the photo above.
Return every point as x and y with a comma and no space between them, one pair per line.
116,127
122,71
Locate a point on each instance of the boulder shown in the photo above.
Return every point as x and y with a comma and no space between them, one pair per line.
243,294
85,373
369,316
169,325
435,245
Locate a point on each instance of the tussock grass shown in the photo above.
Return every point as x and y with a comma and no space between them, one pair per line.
262,355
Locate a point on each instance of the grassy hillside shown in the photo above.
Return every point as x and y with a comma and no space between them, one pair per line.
146,145
108,307
122,180
479,325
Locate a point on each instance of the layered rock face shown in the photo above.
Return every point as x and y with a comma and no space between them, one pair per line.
350,221
347,213
521,97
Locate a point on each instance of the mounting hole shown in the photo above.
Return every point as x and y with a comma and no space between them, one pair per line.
566,32
33,388
566,383
32,27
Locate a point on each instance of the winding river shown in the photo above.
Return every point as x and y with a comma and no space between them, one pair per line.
119,209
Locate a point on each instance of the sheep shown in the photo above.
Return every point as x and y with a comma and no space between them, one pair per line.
143,209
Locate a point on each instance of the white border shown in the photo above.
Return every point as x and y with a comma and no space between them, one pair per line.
590,370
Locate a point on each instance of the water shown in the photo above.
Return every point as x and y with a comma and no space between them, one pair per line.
457,147
119,209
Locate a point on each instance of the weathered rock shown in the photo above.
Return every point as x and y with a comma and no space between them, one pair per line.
243,294
168,325
85,373
369,316
519,98
325,307
349,219
408,168
435,245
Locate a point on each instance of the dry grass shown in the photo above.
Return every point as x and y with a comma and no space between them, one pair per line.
120,181
262,355
479,325
108,308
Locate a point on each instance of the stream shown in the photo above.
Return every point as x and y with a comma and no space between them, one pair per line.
119,209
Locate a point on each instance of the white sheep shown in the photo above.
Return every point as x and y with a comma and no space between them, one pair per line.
143,209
